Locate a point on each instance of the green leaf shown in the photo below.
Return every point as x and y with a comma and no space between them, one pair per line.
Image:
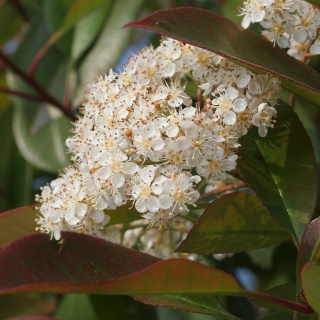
81,8
123,214
315,2
280,169
86,264
65,13
40,131
235,222
198,303
210,31
17,223
15,173
78,21
121,307
283,316
311,283
76,306
111,43
310,244
86,30
55,12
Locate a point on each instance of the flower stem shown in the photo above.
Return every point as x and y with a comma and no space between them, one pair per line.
22,94
40,54
223,189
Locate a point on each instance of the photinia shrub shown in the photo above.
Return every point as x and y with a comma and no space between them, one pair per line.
194,149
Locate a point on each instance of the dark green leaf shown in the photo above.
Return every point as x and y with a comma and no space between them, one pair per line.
15,173
210,31
10,22
199,303
121,308
235,222
315,2
76,306
123,214
280,170
16,305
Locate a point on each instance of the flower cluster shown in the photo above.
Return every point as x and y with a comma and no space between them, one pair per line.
142,140
292,24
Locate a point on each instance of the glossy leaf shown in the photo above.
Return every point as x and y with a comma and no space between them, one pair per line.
92,265
280,170
210,31
311,283
235,222
199,303
100,262
310,243
40,132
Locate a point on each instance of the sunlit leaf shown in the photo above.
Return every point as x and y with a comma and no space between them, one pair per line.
210,31
280,169
235,222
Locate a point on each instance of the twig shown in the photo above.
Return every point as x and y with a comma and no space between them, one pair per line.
22,94
42,51
32,82
223,189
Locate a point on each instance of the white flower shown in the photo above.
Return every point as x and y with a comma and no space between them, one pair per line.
228,104
263,119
